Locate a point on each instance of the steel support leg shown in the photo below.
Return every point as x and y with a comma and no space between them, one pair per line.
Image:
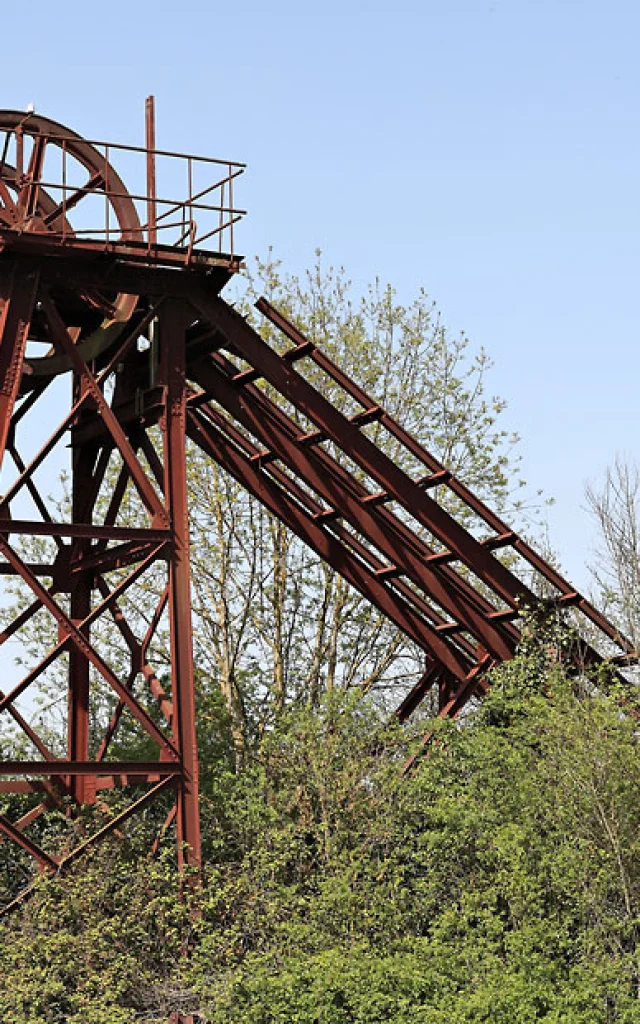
17,296
83,788
172,372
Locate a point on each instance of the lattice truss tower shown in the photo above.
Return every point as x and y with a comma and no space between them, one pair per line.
116,345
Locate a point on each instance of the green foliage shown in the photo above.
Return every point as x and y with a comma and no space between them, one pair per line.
94,947
500,882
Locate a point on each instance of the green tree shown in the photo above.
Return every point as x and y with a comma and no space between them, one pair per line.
615,509
277,625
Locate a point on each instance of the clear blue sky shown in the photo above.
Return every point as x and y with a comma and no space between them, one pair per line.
486,149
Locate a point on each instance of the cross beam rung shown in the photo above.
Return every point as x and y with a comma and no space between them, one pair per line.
371,415
245,377
263,457
442,476
387,572
326,515
299,351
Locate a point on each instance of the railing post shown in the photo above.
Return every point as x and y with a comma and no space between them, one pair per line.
152,231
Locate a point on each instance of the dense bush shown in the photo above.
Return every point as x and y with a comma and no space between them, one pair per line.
500,882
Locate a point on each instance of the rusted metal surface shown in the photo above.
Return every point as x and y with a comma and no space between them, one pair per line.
350,501
152,206
16,306
90,314
155,356
172,374
203,212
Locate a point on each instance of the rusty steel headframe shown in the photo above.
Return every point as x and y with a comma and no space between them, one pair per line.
155,356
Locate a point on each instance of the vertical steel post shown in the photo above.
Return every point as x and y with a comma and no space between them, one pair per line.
172,327
82,463
150,111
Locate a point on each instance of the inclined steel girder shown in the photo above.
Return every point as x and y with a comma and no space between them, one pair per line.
504,536
239,338
214,442
350,540
333,424
350,500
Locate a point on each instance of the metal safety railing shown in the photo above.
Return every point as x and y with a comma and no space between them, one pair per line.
69,188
